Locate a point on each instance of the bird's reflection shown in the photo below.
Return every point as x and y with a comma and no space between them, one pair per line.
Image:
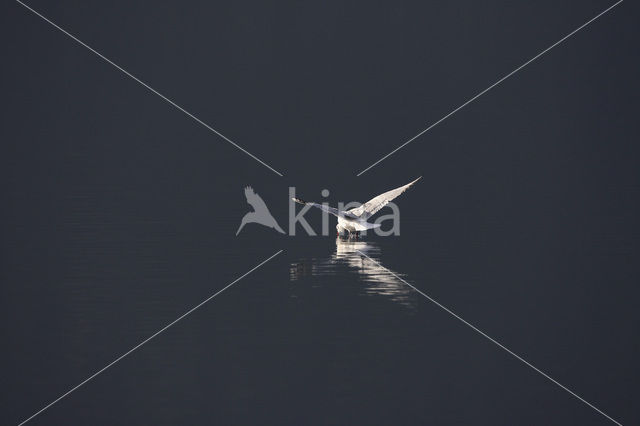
378,280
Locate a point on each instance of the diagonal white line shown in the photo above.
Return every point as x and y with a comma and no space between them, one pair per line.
492,340
148,339
150,88
493,85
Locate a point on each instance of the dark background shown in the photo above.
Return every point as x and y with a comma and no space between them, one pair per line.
119,212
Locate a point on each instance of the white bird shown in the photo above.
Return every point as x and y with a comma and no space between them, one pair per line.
355,220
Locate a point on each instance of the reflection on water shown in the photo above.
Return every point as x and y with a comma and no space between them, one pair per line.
378,279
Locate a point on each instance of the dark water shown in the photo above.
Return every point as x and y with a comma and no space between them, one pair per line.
358,260
321,334
118,213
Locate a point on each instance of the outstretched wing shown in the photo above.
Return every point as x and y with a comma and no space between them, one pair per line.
330,210
370,208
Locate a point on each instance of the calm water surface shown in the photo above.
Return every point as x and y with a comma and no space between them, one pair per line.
359,260
319,335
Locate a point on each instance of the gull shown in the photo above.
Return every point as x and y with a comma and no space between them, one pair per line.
260,213
355,220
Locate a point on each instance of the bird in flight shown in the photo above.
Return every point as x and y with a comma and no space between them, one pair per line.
355,220
260,213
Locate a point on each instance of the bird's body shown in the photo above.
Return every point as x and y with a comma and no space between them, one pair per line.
354,225
355,220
